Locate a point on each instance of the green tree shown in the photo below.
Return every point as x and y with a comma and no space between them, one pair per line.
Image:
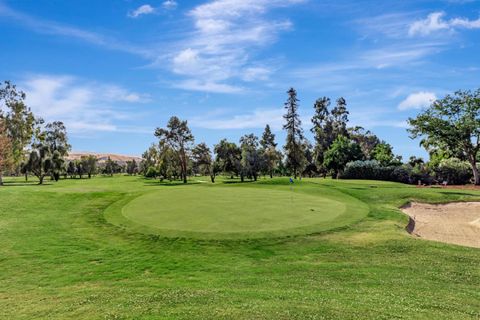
341,152
228,156
251,161
366,139
453,124
71,170
19,120
149,159
40,161
340,118
89,164
294,143
58,165
271,156
56,138
109,167
202,157
322,130
180,139
5,150
132,167
383,153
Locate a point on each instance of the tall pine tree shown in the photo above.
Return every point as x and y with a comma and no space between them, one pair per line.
294,145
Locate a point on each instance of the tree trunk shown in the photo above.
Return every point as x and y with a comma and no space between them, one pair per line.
476,174
40,178
1,179
271,174
212,177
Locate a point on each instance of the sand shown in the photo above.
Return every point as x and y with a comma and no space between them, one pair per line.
457,223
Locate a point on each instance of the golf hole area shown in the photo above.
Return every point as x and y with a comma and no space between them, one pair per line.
234,212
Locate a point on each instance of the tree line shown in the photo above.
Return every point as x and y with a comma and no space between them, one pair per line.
29,146
450,131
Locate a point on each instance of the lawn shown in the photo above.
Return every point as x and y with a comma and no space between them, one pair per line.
99,249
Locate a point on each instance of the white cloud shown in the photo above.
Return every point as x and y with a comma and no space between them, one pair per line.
81,105
214,87
142,10
226,34
169,4
435,22
257,119
417,100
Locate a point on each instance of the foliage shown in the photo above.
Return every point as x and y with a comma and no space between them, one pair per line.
228,156
180,139
295,157
132,167
452,124
5,150
453,171
252,160
40,161
340,153
89,164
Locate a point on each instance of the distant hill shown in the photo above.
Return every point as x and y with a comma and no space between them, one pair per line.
102,157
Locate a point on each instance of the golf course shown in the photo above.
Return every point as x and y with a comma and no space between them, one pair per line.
127,247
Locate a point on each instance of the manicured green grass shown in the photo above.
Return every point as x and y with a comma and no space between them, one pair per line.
225,211
61,259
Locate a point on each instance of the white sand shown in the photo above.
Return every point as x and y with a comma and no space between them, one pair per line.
457,223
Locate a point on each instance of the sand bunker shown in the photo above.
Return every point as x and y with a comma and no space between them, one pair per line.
457,223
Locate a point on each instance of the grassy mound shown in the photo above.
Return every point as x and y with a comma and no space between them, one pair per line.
225,211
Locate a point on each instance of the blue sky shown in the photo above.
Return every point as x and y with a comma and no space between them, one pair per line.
114,70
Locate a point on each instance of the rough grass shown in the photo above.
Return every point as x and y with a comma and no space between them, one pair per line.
60,259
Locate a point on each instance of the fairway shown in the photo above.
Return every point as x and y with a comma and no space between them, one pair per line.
236,212
131,248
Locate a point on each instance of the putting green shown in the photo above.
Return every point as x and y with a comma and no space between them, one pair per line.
234,212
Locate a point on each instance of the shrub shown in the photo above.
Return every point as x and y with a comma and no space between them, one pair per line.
454,171
151,172
370,169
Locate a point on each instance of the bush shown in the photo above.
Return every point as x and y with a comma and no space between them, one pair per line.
370,169
151,172
453,171
373,170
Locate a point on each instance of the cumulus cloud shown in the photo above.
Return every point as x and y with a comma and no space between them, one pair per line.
142,10
81,105
417,100
435,22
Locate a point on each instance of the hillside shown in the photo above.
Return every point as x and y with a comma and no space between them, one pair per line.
102,157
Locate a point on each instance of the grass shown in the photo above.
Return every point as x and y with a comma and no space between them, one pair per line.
60,259
225,211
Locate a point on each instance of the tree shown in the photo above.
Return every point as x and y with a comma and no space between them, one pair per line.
453,124
340,153
294,143
5,150
179,137
251,157
340,118
271,156
89,164
79,168
228,157
19,120
383,153
149,159
132,167
322,130
58,165
202,158
366,139
56,138
40,161
71,169
109,167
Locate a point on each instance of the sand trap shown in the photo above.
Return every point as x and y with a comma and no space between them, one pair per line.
457,223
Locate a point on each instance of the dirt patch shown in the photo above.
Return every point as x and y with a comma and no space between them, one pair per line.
457,223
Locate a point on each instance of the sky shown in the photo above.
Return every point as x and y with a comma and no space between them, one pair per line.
114,70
